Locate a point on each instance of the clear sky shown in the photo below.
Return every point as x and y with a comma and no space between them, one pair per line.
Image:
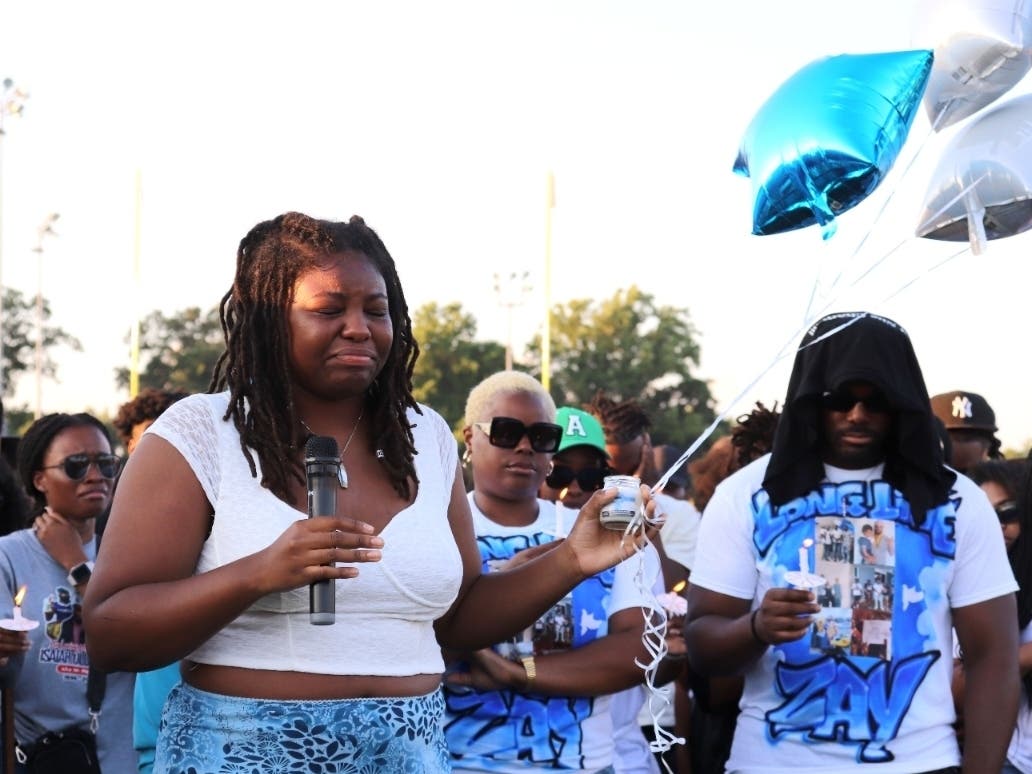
438,122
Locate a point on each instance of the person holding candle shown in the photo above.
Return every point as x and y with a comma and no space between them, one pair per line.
856,440
66,465
506,706
319,342
581,463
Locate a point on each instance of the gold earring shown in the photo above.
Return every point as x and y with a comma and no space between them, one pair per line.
467,457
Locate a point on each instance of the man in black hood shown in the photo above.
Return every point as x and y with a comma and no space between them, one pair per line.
856,447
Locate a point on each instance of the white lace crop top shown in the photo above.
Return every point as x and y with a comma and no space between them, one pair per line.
385,616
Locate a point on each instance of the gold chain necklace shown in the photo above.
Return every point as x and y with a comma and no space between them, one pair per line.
342,474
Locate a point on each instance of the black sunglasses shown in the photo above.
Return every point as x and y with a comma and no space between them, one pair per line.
506,432
845,401
588,479
1007,512
76,466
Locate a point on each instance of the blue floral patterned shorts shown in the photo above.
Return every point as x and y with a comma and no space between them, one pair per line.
205,733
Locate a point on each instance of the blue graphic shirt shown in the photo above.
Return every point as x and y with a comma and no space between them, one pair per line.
868,687
506,731
49,681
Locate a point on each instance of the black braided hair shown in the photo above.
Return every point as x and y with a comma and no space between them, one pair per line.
148,404
753,436
255,364
1015,477
32,448
622,421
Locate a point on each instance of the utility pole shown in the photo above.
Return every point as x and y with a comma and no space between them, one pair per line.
511,292
46,228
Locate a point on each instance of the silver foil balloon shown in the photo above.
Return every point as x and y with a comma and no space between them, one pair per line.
828,136
982,187
982,49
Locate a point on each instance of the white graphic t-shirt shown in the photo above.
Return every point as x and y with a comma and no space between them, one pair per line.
868,687
508,731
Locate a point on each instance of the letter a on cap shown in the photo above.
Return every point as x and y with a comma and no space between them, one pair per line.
574,426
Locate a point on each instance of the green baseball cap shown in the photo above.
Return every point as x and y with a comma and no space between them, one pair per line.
580,429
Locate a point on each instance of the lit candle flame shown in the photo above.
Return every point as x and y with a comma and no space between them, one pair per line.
562,493
807,543
679,587
19,596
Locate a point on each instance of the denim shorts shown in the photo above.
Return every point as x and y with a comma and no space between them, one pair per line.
208,733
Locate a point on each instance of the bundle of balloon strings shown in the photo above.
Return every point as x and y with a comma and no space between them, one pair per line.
653,637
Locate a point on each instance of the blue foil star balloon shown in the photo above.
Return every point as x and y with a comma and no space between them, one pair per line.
828,136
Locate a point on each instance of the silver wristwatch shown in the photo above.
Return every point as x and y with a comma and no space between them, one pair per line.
80,573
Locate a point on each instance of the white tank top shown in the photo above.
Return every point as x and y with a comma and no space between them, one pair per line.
385,616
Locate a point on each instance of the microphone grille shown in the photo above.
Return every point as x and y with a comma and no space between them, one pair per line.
321,447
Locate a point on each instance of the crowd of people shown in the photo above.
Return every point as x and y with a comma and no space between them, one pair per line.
838,584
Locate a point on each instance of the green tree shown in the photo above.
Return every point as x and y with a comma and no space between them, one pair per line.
630,347
451,362
19,337
178,351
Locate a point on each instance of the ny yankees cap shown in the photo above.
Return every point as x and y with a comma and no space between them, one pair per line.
960,410
580,429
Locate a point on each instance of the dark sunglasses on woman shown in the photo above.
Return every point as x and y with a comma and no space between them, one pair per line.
76,466
1007,512
506,432
588,479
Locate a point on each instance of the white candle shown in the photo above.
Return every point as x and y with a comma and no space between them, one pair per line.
560,528
18,622
17,603
804,557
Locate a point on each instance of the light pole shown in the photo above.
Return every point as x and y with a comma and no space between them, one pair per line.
45,228
12,102
511,292
546,336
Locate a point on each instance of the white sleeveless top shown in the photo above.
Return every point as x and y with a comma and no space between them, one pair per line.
385,616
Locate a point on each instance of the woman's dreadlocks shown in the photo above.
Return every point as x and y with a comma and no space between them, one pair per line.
256,361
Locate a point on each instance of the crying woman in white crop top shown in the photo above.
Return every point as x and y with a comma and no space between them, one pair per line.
209,551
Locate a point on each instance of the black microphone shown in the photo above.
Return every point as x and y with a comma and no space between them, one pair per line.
322,461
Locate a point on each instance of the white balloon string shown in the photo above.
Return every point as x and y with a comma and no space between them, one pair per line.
926,272
653,639
963,192
881,211
814,289
877,263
